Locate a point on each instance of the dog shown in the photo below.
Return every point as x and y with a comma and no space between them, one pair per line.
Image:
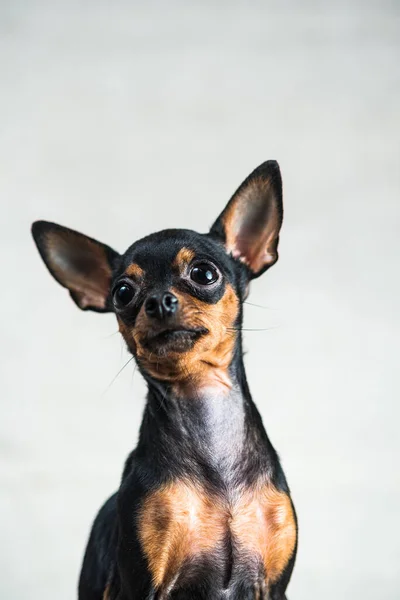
203,511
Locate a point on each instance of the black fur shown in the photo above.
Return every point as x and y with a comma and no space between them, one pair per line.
177,438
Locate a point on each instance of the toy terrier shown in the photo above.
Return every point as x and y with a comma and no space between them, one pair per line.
203,511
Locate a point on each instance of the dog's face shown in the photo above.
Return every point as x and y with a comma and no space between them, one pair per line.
177,297
177,294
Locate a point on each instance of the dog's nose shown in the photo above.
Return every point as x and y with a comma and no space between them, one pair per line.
169,303
161,305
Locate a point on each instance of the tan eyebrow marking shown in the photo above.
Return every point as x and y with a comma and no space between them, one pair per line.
134,270
183,258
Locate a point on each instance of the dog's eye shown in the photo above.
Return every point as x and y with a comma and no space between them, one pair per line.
123,294
204,274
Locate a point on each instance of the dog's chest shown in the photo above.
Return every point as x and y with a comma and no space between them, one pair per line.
182,525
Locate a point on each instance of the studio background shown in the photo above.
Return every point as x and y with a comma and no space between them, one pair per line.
121,118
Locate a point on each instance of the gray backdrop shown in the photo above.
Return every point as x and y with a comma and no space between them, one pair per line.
121,118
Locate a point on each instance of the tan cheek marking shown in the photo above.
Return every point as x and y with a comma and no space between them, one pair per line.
219,318
208,361
183,258
264,524
175,523
134,271
126,333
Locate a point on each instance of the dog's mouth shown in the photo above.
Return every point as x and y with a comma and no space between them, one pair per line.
177,339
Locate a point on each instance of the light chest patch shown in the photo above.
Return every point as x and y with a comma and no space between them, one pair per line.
181,521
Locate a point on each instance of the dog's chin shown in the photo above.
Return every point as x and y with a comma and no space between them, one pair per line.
173,340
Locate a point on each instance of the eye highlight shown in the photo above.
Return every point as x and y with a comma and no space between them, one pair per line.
123,295
204,274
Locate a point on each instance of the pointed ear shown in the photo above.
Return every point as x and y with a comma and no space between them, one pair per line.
250,224
79,263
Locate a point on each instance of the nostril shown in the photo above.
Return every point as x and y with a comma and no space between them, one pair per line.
170,303
152,306
161,306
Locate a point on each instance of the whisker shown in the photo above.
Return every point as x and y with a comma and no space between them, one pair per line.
191,378
133,372
251,329
259,305
163,398
106,337
117,375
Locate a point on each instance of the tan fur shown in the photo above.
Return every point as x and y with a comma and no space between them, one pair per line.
176,522
207,362
92,291
106,594
183,259
260,250
181,520
135,271
126,333
263,522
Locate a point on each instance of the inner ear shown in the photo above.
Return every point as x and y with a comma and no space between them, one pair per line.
79,263
250,223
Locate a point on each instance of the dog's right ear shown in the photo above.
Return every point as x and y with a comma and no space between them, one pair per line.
79,263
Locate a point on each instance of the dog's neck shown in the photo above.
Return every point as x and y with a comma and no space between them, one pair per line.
212,431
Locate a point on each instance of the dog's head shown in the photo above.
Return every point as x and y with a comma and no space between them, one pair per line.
177,294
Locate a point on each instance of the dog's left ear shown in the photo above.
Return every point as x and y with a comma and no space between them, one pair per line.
249,225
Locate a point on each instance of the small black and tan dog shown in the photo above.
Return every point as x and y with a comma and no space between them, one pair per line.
203,510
